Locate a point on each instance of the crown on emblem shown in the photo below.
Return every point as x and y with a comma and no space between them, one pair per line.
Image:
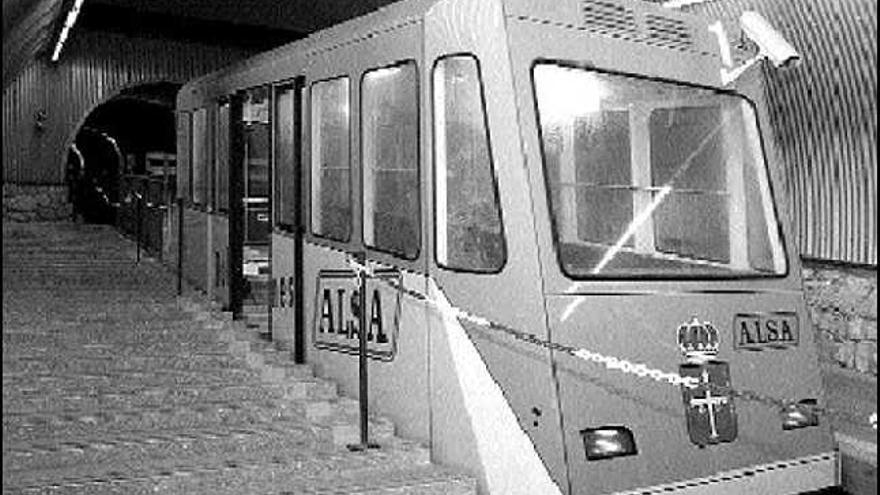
697,340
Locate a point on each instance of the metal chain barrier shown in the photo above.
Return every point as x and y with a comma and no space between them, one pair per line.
128,199
611,363
105,198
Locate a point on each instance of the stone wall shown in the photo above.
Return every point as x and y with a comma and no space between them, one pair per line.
35,203
843,305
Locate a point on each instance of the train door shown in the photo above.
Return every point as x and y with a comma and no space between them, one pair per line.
286,250
220,286
256,132
249,199
235,187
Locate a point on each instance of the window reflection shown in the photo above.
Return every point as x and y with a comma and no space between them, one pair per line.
649,178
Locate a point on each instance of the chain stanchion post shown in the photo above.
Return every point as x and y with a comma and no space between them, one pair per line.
137,228
363,381
179,246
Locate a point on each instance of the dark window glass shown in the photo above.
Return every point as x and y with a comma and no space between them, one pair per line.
692,220
330,155
200,156
650,178
184,163
221,157
390,150
468,216
285,164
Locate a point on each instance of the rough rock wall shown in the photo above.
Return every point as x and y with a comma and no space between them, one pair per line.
843,306
26,203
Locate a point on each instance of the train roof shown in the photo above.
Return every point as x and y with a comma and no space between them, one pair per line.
402,12
624,20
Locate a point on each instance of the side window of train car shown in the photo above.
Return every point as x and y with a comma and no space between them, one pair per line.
286,127
469,231
199,156
390,152
221,157
184,163
331,164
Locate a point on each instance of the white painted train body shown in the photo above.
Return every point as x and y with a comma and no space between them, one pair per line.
580,277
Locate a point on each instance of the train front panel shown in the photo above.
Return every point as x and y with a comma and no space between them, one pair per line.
682,351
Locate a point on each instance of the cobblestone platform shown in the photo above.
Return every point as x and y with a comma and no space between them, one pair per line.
112,384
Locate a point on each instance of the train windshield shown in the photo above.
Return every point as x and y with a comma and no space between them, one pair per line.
654,179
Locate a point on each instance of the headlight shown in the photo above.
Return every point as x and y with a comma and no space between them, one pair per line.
607,442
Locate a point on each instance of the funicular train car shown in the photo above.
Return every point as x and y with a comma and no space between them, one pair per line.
579,277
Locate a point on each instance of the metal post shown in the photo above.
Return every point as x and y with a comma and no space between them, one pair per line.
137,227
363,392
179,246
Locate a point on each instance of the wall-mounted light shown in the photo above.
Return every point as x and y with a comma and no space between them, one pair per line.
40,119
677,4
65,28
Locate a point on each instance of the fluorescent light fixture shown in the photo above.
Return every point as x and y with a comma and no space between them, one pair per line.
65,29
677,4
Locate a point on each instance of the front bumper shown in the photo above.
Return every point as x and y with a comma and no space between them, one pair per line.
791,476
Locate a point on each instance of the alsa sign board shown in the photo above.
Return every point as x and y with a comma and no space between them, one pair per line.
756,331
337,312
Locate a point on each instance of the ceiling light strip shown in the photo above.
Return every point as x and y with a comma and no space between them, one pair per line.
65,29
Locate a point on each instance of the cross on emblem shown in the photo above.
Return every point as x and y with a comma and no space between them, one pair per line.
709,404
711,417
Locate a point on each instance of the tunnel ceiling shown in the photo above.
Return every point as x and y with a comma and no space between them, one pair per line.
159,94
31,26
301,16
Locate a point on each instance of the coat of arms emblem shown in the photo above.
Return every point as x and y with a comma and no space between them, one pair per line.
711,416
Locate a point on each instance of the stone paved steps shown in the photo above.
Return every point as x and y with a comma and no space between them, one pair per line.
87,350
111,384
83,305
280,477
68,427
156,347
109,326
37,280
24,422
133,445
28,458
55,424
109,364
66,257
159,453
151,337
120,379
18,402
82,312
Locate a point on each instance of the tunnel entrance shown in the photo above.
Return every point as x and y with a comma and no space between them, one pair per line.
124,144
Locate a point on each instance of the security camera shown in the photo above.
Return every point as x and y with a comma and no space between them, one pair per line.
770,42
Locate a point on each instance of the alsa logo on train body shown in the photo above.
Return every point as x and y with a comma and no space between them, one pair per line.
337,313
755,331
